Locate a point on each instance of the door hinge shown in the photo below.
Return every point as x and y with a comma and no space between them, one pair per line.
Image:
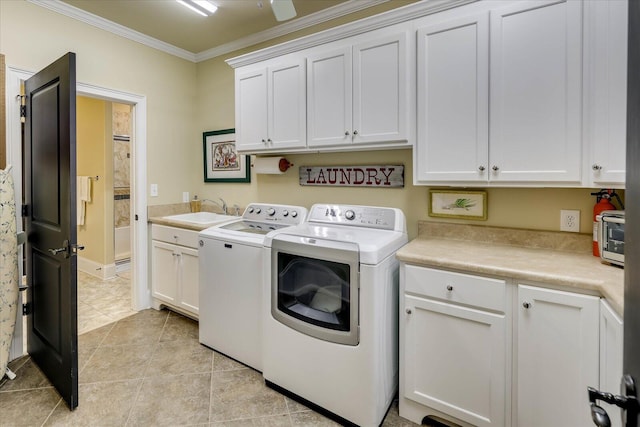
25,211
23,111
135,217
26,309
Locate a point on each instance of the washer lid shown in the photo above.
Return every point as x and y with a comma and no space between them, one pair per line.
374,245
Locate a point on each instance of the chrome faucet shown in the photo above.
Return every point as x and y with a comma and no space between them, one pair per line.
223,205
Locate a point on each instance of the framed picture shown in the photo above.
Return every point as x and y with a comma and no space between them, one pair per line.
458,204
222,163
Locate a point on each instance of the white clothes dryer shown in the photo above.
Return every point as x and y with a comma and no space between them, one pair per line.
231,274
331,310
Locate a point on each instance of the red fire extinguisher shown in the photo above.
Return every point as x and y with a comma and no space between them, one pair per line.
603,203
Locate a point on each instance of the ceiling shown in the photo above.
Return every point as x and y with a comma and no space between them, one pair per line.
192,34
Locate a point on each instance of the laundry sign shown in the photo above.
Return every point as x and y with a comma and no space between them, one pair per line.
378,176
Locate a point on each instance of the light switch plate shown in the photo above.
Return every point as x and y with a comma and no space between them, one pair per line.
154,190
185,196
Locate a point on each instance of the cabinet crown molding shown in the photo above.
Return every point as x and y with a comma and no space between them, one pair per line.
395,16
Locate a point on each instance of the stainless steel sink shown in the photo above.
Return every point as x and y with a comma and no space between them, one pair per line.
201,218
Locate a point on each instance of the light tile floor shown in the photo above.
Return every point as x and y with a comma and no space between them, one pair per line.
101,302
149,369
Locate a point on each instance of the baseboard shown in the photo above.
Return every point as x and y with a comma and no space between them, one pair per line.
96,269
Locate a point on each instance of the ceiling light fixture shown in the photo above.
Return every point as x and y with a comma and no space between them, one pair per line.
283,9
202,7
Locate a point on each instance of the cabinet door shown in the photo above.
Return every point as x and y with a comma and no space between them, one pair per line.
606,97
380,98
611,346
556,356
188,279
251,110
164,271
455,360
329,99
536,92
287,106
453,100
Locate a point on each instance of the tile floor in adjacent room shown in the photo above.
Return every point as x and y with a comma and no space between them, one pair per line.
149,369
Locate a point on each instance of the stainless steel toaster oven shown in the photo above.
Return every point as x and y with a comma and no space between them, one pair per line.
611,236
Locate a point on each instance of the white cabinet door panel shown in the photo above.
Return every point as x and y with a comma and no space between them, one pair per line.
164,271
556,356
536,88
287,108
453,106
611,355
455,360
380,79
189,279
251,110
329,99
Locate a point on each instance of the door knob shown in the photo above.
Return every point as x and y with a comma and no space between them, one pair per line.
65,249
56,251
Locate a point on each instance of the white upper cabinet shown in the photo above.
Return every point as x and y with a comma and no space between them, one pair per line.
535,103
271,107
358,94
330,98
606,91
500,95
453,108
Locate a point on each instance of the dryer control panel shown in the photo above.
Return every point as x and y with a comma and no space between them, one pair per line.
358,216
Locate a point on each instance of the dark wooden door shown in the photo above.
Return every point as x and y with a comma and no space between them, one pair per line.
50,196
632,227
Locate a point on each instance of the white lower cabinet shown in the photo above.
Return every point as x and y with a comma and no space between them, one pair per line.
454,357
485,351
556,356
611,353
174,265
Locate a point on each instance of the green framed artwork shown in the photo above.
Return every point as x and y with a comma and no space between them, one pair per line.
222,163
459,204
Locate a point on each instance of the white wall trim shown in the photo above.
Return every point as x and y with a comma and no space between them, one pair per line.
334,12
394,16
325,15
141,293
112,27
101,271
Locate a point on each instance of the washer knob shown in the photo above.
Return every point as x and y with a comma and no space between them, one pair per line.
350,215
294,214
271,212
285,213
250,210
258,210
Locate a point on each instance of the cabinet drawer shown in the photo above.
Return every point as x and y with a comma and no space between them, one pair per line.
177,236
456,287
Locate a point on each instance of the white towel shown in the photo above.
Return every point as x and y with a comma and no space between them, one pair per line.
83,195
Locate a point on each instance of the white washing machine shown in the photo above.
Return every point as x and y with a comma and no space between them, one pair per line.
231,273
331,310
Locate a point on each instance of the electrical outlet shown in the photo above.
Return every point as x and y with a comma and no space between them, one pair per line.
570,220
154,190
185,196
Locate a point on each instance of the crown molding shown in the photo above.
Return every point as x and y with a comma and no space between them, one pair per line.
289,27
394,16
325,15
110,26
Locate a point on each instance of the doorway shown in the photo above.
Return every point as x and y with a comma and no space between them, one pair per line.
140,294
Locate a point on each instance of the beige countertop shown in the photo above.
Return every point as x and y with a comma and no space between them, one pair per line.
157,213
508,253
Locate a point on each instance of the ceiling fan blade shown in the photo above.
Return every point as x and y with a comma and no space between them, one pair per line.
283,9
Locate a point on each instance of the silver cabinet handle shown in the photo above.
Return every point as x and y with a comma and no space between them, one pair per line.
407,310
269,140
596,167
481,168
449,288
355,132
346,133
526,305
495,168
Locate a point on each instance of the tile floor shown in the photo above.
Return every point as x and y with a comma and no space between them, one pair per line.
101,302
148,369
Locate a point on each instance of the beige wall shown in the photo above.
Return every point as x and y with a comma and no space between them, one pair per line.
93,155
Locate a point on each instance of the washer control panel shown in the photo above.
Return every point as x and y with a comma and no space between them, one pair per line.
283,214
358,216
